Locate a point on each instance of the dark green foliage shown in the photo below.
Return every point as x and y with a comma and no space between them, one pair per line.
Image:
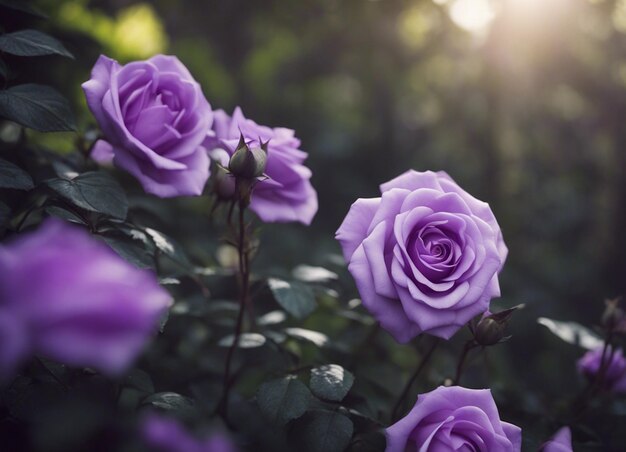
38,107
331,382
326,431
296,298
95,191
283,399
32,43
12,176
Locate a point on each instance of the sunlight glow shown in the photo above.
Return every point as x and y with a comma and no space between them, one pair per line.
472,15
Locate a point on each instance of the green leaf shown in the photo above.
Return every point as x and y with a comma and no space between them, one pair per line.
22,6
331,382
4,70
172,402
5,213
310,274
296,298
169,247
246,340
95,191
317,338
140,380
271,318
39,107
327,431
283,399
32,43
64,214
12,176
572,333
130,251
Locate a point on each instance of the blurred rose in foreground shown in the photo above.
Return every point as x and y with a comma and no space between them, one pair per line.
560,442
164,434
69,297
154,118
288,194
425,255
614,378
454,418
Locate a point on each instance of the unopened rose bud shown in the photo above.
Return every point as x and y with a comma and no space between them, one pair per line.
613,315
489,331
247,163
224,184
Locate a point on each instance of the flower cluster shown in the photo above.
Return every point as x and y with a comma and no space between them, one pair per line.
158,126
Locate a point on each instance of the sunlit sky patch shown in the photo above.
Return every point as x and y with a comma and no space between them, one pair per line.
472,15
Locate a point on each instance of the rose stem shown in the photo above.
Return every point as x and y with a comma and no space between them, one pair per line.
244,277
395,412
470,344
582,402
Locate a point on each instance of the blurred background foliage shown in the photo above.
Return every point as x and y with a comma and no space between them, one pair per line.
521,101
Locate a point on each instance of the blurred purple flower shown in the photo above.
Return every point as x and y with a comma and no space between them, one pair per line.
71,298
454,418
560,442
615,374
154,118
288,194
165,434
425,255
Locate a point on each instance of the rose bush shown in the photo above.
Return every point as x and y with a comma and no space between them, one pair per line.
454,418
69,297
425,255
615,373
287,195
154,118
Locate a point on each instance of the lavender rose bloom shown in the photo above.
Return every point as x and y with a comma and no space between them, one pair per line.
288,194
71,298
425,255
154,118
454,418
167,435
615,374
560,442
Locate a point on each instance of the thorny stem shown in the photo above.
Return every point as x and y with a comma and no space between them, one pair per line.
396,409
469,345
244,277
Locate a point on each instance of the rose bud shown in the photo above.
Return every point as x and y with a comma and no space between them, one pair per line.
490,329
224,185
285,192
613,316
247,163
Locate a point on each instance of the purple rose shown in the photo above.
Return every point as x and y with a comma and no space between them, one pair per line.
425,255
615,373
454,418
167,435
560,442
71,298
288,194
154,118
